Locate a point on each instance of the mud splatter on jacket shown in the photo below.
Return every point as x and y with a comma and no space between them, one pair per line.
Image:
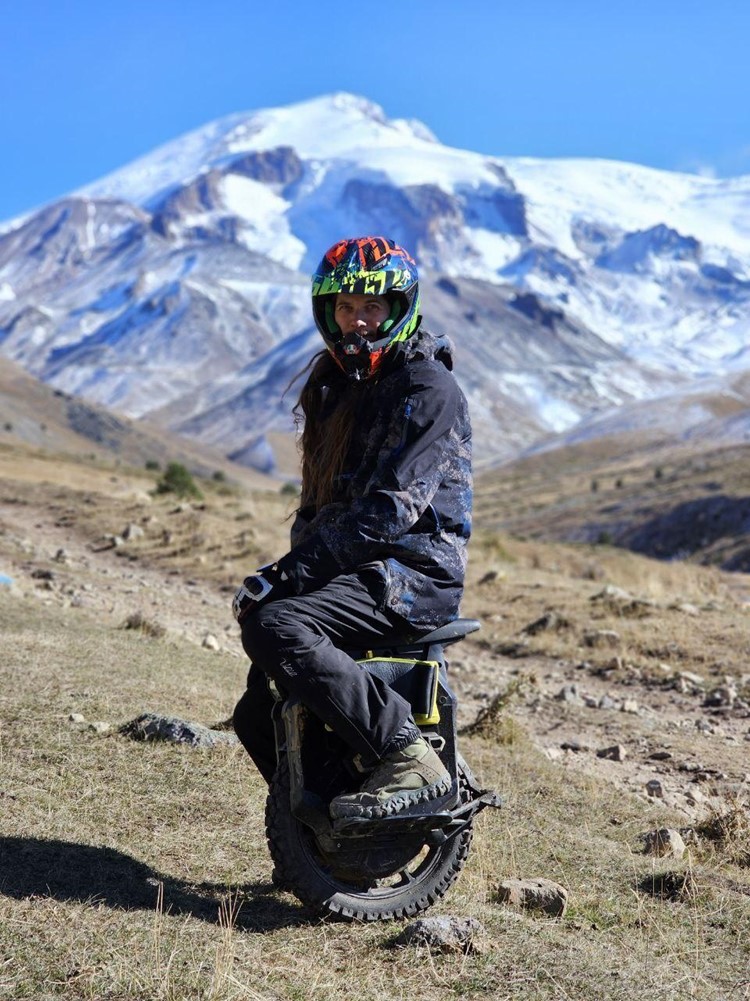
403,502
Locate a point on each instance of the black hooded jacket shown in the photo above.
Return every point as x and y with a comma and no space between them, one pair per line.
403,502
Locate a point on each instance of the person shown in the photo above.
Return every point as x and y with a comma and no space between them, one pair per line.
378,544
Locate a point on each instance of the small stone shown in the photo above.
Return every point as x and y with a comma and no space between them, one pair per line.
687,609
550,620
210,642
554,753
693,679
665,841
607,702
447,934
724,695
694,795
569,693
76,718
61,556
655,789
615,753
660,756
630,706
573,745
100,727
602,639
534,895
132,531
489,577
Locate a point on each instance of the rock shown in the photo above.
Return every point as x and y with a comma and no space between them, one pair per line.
550,620
100,727
601,638
446,934
61,556
534,895
575,746
569,693
553,753
665,841
693,679
40,574
607,702
76,718
655,789
623,602
132,532
615,753
686,608
152,726
210,642
694,795
660,756
724,695
489,577
630,706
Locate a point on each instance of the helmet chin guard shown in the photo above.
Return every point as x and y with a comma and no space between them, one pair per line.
370,265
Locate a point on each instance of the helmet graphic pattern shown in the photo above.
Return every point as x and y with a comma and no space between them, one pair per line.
368,265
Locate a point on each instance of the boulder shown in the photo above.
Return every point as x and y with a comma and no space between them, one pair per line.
664,842
446,934
534,895
152,726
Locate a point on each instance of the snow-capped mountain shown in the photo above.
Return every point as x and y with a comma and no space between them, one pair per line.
178,286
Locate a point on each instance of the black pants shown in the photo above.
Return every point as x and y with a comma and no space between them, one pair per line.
295,642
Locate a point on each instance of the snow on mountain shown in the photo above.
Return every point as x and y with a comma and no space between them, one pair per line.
178,285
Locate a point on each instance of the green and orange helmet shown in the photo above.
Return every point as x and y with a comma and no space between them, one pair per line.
366,265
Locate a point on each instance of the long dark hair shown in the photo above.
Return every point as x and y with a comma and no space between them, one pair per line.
326,409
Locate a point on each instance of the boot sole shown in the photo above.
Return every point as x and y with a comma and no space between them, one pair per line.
393,805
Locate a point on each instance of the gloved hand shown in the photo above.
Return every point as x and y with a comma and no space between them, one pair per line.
256,590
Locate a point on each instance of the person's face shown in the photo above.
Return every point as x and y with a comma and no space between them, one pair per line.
362,314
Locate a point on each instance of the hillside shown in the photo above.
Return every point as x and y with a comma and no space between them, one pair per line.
638,490
134,870
34,414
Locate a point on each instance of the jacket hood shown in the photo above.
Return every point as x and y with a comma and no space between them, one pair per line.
424,346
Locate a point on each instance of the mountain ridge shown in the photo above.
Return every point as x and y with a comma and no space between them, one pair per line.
570,287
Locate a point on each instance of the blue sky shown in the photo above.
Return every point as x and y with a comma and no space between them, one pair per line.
87,86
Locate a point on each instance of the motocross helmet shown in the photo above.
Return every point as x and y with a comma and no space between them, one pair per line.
367,265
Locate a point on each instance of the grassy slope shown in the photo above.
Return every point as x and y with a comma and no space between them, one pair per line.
94,826
140,871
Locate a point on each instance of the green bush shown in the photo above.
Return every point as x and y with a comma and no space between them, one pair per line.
177,480
152,465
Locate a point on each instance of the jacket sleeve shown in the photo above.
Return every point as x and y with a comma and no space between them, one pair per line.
412,462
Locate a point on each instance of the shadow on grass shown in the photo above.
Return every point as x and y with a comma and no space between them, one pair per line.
32,867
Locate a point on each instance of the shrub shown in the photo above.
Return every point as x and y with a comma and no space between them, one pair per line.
177,480
289,490
152,465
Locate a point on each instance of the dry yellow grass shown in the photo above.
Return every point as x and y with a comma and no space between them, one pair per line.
139,871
